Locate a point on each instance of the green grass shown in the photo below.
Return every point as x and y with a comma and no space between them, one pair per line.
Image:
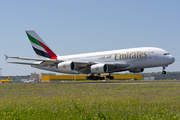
90,101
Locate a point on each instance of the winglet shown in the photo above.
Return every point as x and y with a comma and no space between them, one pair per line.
6,56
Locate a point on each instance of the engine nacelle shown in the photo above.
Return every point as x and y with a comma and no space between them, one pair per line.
136,70
67,66
99,68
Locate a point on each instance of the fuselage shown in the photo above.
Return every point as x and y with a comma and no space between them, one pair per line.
4,81
137,58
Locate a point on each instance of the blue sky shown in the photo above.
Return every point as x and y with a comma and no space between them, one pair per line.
82,26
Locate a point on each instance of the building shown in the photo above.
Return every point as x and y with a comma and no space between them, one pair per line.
149,78
34,77
56,78
44,74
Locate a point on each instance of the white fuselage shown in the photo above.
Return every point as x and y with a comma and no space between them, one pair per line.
137,58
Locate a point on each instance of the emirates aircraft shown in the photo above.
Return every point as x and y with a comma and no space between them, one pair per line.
93,64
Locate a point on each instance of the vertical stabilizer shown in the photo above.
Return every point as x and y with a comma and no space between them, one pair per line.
39,46
8,77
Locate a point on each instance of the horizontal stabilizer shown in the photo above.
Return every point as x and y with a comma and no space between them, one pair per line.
34,59
6,57
24,63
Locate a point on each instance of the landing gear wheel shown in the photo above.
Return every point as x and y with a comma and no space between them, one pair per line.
95,78
163,72
164,67
89,77
111,77
107,76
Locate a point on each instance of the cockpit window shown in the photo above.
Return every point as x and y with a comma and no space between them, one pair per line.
166,54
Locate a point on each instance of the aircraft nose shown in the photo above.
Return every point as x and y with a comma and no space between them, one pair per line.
172,59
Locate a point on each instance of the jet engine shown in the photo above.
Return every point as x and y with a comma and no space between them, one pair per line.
99,68
136,70
107,68
66,66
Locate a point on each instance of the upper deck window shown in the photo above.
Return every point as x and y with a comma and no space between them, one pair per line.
166,54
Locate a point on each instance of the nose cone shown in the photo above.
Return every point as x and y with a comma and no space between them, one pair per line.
171,59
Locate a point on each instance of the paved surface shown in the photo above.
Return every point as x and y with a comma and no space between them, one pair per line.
121,82
107,82
137,82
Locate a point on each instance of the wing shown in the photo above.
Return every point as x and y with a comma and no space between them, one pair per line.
81,67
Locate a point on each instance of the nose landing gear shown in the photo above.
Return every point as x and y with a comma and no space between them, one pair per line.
164,72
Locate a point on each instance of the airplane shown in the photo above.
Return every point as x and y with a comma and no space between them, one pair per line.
7,80
134,60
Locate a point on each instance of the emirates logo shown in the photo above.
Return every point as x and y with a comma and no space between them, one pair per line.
97,68
64,66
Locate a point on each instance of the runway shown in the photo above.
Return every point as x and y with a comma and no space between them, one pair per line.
108,82
121,82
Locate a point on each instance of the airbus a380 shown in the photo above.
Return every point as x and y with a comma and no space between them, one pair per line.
133,60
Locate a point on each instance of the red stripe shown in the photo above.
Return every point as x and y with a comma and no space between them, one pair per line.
49,51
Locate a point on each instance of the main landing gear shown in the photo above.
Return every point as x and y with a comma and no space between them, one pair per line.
92,77
164,72
98,77
110,77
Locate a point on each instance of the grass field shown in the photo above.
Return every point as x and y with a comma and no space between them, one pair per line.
90,101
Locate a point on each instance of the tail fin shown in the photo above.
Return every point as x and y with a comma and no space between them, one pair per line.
8,77
39,46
